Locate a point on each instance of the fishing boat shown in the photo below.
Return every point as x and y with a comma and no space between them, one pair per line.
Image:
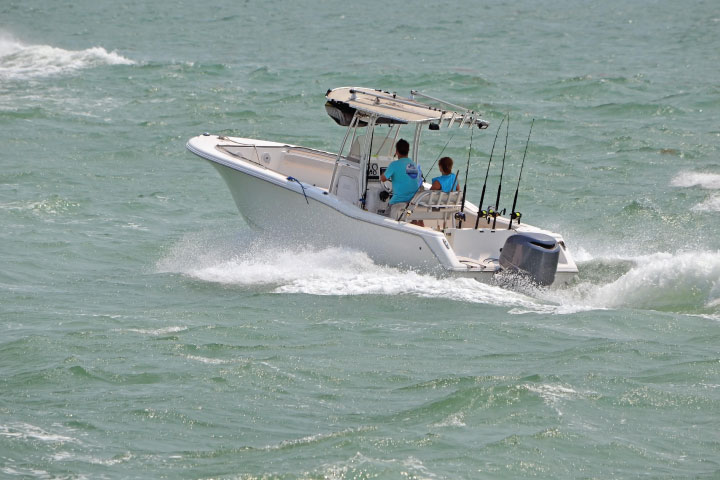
319,198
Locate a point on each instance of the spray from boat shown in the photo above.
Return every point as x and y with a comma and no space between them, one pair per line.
683,283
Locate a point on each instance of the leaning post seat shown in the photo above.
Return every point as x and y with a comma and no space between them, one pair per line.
435,205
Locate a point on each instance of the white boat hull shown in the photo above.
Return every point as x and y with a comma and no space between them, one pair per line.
284,213
277,205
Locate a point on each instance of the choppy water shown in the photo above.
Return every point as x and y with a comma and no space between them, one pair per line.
147,333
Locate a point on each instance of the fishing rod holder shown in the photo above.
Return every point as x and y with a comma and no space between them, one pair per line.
491,213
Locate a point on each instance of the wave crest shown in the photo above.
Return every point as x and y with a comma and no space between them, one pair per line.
706,181
19,61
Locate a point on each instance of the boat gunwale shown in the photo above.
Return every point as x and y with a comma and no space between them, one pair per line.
311,191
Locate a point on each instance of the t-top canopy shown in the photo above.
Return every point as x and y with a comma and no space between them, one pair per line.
391,108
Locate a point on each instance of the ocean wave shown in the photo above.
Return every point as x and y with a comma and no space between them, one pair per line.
361,466
19,61
707,181
154,331
704,180
711,204
26,431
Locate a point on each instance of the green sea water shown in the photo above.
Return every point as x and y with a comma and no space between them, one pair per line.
147,332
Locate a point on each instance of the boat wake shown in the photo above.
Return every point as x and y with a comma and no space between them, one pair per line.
687,283
328,271
19,61
682,282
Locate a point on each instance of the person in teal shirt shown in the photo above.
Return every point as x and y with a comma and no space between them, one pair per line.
405,177
447,182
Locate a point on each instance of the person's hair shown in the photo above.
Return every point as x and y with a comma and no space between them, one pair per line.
403,147
445,165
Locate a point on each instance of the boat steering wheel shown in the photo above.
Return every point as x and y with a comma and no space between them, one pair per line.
387,186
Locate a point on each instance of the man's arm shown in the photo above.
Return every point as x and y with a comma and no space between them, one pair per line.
388,170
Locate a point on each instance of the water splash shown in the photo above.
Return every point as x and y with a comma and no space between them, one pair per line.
19,61
683,282
302,269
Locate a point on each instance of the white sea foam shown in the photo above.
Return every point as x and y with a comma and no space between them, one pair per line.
659,280
707,181
361,466
73,457
687,282
329,271
551,394
209,361
681,281
154,331
711,204
26,431
454,420
20,61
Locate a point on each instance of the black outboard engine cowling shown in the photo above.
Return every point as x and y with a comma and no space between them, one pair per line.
533,254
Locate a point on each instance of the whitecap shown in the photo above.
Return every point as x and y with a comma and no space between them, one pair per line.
26,431
708,181
154,331
209,361
20,61
711,204
704,180
454,420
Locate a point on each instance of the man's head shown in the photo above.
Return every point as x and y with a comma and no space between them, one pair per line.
445,164
402,147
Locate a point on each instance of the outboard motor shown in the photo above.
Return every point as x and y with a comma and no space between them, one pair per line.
535,255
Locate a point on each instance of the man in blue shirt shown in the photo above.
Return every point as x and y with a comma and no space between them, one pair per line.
405,177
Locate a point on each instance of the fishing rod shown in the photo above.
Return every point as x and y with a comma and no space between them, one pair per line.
367,171
467,170
515,214
438,157
497,201
482,196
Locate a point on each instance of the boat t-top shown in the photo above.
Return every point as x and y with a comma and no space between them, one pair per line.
312,197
